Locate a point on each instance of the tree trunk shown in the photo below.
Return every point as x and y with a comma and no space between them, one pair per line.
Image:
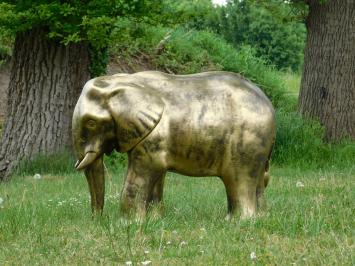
45,82
328,82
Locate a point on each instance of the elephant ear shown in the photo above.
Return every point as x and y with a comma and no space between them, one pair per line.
136,111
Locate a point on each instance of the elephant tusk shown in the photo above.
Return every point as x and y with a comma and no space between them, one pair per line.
89,158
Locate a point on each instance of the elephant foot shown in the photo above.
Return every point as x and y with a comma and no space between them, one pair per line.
261,203
142,192
133,207
96,213
156,210
247,200
139,210
248,213
229,217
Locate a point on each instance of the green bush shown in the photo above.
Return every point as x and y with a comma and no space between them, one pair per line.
116,161
6,41
299,143
275,37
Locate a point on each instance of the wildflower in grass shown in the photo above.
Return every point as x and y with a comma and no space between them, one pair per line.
203,230
129,262
147,262
253,255
183,243
299,184
146,252
37,176
168,242
60,203
1,200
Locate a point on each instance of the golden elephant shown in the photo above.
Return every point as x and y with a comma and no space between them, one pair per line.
207,124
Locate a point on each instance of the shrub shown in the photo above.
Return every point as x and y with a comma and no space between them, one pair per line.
299,142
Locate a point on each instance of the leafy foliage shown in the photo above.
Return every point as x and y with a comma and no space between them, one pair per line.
274,37
73,21
198,15
6,40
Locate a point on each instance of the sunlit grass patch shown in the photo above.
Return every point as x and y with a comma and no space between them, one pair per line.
292,83
48,221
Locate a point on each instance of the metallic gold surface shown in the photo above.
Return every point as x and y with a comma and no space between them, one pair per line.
207,124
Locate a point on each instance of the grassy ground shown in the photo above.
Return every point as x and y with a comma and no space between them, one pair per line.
309,221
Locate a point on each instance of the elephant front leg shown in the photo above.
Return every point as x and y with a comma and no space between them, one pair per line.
96,181
135,193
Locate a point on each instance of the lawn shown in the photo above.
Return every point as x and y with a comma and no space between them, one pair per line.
309,221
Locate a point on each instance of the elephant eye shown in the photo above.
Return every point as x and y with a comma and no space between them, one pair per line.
91,123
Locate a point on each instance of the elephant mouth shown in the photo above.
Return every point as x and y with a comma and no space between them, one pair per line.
88,159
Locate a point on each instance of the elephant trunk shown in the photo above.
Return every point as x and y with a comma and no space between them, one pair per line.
94,173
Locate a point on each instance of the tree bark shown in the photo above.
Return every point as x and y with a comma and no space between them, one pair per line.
45,82
328,82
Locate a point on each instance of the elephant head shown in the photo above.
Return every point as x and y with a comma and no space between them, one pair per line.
110,115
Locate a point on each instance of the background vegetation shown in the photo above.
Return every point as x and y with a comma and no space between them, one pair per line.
311,195
261,43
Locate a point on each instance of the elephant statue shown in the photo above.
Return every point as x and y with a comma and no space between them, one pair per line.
206,124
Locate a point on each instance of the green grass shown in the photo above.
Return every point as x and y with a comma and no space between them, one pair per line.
292,83
48,222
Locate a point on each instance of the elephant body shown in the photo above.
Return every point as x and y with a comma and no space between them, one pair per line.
207,124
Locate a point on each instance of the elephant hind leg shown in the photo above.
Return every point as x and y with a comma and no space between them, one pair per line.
241,194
